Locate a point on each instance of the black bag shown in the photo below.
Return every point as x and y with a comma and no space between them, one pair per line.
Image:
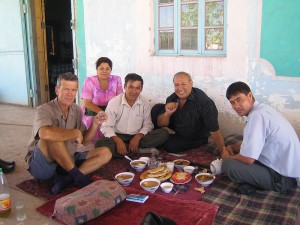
151,218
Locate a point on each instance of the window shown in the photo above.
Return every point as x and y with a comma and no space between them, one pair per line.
190,27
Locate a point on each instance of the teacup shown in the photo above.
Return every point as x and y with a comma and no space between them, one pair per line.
189,169
145,159
170,166
216,166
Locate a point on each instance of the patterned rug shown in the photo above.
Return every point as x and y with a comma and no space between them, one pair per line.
264,207
41,189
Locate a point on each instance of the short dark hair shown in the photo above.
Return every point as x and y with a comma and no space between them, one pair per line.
104,60
236,88
66,76
133,77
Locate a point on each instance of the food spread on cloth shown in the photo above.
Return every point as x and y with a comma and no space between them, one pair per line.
181,177
161,173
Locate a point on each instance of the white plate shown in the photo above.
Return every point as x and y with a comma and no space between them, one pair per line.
180,182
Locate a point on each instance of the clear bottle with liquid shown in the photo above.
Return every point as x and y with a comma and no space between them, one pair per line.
5,203
153,162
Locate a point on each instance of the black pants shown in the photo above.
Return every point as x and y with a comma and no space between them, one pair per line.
175,143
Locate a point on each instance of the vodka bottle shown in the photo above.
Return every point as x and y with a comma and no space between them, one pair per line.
153,162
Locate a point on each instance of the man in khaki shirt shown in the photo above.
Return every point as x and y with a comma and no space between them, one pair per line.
129,126
60,143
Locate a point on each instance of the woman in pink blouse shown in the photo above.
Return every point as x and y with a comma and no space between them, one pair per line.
98,90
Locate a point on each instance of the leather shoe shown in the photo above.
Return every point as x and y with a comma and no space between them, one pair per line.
6,168
7,162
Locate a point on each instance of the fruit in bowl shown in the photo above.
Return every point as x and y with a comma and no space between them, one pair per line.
150,184
138,164
124,178
180,163
205,179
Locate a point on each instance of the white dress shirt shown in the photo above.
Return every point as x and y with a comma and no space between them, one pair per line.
124,119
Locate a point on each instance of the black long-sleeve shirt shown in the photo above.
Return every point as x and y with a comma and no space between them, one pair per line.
197,118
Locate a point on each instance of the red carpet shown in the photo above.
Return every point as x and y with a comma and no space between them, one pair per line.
183,212
41,189
183,208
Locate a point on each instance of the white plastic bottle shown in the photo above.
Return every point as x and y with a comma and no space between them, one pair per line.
5,204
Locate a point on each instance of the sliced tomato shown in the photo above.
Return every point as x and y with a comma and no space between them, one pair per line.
180,177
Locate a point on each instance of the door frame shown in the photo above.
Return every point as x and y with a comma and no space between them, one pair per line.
39,53
40,78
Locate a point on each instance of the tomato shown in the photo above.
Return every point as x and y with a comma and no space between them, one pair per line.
180,177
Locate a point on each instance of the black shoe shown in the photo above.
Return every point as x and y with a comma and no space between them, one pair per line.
7,162
246,189
6,168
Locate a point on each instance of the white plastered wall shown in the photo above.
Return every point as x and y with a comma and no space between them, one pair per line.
123,31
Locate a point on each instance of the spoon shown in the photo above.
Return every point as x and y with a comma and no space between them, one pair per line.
128,158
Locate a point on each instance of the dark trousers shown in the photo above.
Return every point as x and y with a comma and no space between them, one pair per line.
175,143
154,138
257,175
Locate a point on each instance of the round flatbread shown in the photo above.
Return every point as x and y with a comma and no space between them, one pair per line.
156,170
158,174
145,175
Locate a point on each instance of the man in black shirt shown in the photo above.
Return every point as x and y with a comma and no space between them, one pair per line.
191,114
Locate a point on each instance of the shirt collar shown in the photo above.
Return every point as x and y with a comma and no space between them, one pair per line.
59,112
137,101
255,104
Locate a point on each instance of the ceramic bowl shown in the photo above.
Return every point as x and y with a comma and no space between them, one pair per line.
189,169
180,163
205,179
124,178
138,164
166,187
150,184
145,159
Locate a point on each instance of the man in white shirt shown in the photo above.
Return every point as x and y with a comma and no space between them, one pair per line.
129,126
269,155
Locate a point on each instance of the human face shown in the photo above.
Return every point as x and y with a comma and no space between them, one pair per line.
242,103
183,86
132,90
66,93
103,71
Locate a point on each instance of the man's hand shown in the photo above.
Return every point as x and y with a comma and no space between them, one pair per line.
171,107
121,147
226,153
79,138
100,118
134,142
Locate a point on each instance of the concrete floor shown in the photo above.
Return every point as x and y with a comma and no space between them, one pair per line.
15,130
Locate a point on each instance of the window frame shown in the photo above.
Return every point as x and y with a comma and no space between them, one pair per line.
201,51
